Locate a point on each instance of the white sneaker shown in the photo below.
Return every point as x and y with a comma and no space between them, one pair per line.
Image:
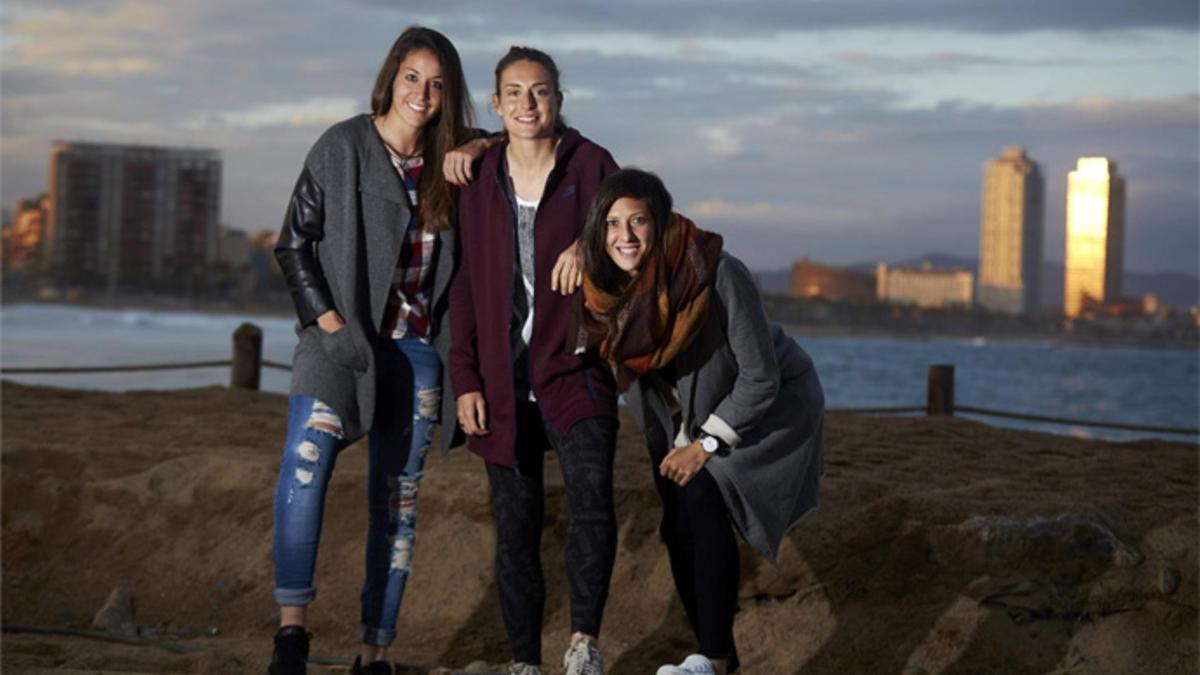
694,664
583,658
519,668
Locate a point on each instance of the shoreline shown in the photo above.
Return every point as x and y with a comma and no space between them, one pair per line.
801,331
283,310
33,341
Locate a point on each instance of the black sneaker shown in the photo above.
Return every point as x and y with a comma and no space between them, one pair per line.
291,651
372,668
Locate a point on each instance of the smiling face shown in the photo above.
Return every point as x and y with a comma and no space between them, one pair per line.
527,101
417,89
629,233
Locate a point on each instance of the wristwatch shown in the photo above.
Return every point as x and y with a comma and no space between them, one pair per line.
709,443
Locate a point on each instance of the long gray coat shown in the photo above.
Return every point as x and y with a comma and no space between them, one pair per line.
765,400
363,212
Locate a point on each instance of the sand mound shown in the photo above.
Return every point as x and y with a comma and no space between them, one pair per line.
941,545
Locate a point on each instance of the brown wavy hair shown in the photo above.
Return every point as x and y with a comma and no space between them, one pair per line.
449,129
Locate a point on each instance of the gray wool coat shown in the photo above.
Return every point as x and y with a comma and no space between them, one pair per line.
744,380
364,210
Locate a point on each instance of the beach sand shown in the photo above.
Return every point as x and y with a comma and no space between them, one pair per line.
941,545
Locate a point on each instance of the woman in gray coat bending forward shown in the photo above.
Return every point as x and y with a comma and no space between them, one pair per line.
730,406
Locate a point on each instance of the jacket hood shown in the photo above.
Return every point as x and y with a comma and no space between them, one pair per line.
570,140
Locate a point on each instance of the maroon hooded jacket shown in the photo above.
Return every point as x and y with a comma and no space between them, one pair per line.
568,388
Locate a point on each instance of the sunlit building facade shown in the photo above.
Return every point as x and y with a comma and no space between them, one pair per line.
813,280
1010,234
924,286
133,217
22,239
1095,241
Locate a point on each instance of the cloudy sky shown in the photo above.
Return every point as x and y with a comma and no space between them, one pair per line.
841,130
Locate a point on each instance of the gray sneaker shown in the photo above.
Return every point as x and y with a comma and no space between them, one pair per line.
583,658
694,664
519,668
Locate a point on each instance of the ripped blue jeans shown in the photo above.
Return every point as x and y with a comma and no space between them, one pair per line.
409,397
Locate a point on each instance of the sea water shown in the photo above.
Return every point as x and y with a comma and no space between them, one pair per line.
1159,387
37,335
1132,385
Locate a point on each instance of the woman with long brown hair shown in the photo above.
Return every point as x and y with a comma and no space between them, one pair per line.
367,248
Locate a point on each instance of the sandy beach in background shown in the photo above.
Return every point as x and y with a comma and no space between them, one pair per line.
941,545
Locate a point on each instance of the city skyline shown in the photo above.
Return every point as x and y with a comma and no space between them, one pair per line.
838,131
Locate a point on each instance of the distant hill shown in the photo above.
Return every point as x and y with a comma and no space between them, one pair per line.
1174,288
773,281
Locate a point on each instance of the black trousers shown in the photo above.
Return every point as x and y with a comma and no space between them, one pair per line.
704,558
585,454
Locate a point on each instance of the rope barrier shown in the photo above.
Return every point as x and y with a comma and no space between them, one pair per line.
1085,423
877,411
1183,431
137,367
112,369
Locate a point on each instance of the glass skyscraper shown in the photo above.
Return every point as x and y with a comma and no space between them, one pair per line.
1095,242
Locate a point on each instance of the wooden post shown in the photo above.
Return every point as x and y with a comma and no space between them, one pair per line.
941,390
247,357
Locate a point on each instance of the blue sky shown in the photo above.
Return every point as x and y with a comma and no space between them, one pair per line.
843,131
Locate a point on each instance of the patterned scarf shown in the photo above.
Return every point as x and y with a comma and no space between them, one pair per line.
659,313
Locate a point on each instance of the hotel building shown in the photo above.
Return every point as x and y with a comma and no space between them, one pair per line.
924,286
1011,233
133,217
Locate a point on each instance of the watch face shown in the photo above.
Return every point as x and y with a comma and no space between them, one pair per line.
709,444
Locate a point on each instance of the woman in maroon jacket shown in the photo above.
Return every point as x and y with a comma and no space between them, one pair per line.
519,390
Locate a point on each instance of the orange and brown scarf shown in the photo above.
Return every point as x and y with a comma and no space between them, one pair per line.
660,312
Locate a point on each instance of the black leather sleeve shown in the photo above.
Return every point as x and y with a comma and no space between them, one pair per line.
303,227
475,134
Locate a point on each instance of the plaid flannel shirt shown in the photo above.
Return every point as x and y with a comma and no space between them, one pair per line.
408,302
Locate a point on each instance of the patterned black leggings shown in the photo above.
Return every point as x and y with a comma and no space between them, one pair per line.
586,457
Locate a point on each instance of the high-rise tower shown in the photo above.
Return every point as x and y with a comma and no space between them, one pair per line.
128,216
1010,234
1095,242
